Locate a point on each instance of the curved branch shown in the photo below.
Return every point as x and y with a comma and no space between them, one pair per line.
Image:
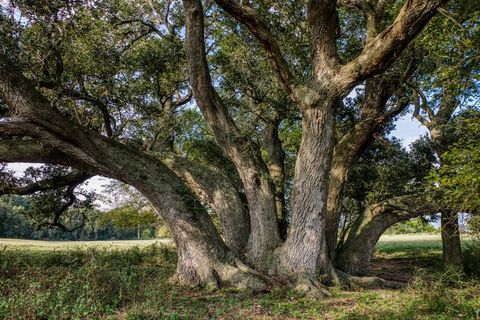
381,51
215,188
60,144
56,220
424,105
353,256
31,151
259,29
75,177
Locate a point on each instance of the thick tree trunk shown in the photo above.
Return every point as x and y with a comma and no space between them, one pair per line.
304,253
203,257
354,255
217,190
452,250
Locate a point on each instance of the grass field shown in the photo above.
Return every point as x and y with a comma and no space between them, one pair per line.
393,243
129,280
37,245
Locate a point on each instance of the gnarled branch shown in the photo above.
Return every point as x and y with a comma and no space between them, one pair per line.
381,51
74,177
259,29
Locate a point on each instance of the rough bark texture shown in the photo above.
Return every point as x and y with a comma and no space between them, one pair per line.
452,249
351,145
203,258
354,256
217,190
276,167
242,151
304,253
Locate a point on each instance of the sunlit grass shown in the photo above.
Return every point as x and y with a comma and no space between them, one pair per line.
411,246
38,245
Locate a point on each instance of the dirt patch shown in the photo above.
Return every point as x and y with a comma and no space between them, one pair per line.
400,270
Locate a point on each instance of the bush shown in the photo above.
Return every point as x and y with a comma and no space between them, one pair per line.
416,225
471,258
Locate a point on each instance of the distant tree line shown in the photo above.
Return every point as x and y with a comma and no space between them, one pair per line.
16,221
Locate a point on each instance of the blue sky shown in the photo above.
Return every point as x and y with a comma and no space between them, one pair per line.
408,130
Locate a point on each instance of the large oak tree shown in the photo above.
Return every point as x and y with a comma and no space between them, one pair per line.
117,102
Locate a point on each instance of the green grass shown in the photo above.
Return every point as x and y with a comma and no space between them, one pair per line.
61,281
37,245
411,246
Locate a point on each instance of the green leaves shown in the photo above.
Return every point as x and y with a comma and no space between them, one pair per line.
458,178
128,216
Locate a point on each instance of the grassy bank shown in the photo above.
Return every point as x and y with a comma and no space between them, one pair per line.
108,282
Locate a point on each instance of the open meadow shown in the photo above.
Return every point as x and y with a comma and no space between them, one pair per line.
129,280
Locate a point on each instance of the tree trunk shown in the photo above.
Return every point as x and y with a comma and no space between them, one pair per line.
276,167
242,151
213,187
304,253
452,251
451,243
203,257
351,145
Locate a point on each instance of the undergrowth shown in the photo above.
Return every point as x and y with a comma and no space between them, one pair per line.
133,284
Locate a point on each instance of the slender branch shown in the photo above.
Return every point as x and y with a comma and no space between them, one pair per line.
184,100
424,105
351,4
56,220
259,29
416,113
74,177
107,119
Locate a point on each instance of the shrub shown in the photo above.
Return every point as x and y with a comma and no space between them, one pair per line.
471,258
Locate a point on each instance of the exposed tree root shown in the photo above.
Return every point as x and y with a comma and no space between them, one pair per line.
311,287
231,274
347,281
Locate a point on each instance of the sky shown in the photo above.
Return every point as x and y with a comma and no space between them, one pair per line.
408,129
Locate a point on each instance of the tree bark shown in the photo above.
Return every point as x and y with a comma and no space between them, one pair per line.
203,257
451,244
374,118
276,167
242,151
217,190
452,250
304,253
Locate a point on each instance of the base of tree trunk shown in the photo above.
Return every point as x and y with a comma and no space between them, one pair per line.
451,243
231,273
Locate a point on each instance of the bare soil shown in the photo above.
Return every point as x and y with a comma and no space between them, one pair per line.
400,270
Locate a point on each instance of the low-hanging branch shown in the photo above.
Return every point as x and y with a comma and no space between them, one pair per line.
58,214
74,177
